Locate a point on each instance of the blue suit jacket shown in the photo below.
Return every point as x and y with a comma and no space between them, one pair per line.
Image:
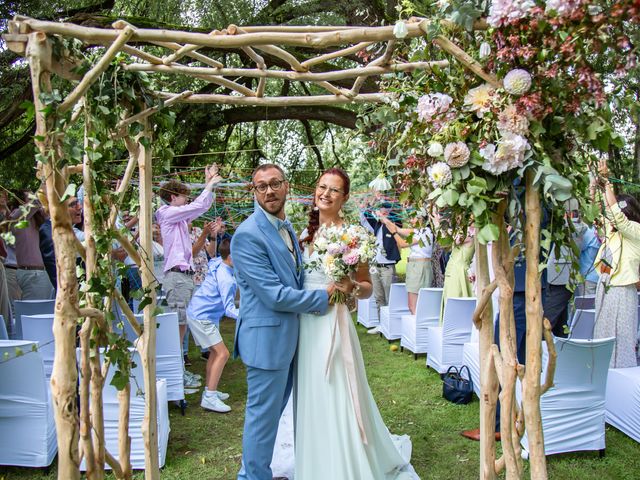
271,295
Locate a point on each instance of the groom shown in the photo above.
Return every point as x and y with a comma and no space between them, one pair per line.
268,266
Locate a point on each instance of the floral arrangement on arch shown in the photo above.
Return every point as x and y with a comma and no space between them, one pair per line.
455,141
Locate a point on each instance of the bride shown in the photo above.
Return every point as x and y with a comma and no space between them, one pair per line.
339,432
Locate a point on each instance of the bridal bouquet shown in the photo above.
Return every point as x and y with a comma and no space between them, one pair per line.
340,250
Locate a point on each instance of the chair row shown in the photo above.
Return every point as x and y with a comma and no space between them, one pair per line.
37,369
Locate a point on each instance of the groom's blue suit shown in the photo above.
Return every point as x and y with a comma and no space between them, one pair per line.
271,297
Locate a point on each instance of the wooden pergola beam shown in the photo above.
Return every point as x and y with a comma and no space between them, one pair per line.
370,70
93,74
337,54
300,38
279,101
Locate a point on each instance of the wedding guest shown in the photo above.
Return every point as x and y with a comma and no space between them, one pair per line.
590,246
419,272
173,218
559,294
212,301
384,271
456,276
31,274
618,261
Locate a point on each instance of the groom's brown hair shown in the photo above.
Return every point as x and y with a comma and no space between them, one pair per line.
267,166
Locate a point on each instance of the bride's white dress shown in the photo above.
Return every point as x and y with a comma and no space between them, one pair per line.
331,440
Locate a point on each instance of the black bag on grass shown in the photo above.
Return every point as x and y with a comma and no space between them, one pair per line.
455,387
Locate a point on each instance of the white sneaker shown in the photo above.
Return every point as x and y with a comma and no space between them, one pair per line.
189,374
373,330
191,382
213,403
222,395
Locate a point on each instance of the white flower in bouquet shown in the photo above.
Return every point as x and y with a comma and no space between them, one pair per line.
509,120
456,154
517,82
508,154
478,99
439,174
400,29
435,149
485,50
380,184
431,105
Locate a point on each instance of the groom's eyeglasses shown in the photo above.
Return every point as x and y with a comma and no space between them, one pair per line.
263,187
332,191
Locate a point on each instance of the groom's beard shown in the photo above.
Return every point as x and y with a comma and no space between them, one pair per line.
273,204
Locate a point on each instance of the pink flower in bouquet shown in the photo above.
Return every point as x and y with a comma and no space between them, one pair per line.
509,120
351,258
333,248
431,105
563,8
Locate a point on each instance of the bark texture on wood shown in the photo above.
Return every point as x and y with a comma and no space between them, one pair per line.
148,352
488,377
531,383
64,375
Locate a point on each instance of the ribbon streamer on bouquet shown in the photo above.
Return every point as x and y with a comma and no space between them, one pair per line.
341,322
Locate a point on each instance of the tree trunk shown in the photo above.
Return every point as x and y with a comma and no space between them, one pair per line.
148,353
65,375
531,383
488,377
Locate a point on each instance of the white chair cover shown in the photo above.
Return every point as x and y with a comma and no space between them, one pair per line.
27,426
623,400
169,355
573,410
414,327
582,324
471,358
136,416
39,328
391,315
3,329
368,312
29,307
444,343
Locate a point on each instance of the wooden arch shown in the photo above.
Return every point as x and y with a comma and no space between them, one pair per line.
80,435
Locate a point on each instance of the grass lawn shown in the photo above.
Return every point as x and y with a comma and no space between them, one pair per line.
204,445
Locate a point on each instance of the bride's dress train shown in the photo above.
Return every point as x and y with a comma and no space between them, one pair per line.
339,432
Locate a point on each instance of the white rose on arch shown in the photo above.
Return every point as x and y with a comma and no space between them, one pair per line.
400,29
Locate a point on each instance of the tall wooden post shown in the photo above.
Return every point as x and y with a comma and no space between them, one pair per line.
488,377
64,376
531,384
150,426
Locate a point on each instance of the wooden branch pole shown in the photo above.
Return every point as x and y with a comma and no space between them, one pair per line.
468,61
531,385
488,376
506,360
148,353
370,70
307,64
64,376
92,468
313,39
271,49
93,74
128,313
553,356
94,450
124,440
279,101
151,110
